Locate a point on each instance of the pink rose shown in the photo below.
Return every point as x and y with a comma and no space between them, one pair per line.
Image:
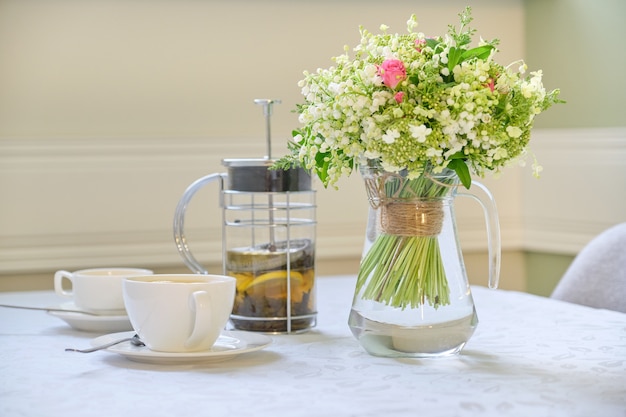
393,72
419,44
399,96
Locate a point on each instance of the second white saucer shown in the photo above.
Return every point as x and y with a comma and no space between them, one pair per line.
89,323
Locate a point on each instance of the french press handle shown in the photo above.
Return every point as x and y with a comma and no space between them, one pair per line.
179,219
488,205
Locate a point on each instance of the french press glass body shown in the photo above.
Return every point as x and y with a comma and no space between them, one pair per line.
268,241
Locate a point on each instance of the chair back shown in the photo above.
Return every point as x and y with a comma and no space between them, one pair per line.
597,276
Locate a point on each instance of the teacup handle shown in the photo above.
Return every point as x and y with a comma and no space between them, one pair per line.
58,283
200,304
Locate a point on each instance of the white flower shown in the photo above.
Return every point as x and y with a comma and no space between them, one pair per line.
411,24
420,132
536,169
371,154
500,153
390,167
335,88
514,131
430,152
390,136
522,68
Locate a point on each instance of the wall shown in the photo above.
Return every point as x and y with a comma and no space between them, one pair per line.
579,45
109,109
582,145
92,69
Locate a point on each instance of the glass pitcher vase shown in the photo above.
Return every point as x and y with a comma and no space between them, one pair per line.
412,297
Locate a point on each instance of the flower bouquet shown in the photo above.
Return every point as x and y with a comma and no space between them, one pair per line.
415,106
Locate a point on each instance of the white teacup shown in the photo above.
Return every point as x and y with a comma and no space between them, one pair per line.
179,312
97,290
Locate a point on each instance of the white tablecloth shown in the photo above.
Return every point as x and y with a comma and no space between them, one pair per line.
530,356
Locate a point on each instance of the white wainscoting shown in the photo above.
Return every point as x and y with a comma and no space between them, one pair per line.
71,203
582,189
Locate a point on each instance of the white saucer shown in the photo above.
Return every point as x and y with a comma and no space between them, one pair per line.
89,323
228,345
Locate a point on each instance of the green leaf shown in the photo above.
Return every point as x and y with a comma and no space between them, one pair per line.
480,52
460,167
321,167
432,43
458,155
454,57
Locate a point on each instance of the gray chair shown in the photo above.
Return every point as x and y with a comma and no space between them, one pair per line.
597,276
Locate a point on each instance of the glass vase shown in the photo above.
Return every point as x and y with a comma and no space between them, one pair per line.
412,297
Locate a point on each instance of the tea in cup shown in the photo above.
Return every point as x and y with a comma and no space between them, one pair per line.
179,313
97,290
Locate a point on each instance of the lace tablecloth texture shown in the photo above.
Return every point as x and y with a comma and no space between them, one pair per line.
530,356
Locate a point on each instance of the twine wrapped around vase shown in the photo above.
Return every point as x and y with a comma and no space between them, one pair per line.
411,218
407,215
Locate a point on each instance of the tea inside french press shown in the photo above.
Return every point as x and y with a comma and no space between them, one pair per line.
268,240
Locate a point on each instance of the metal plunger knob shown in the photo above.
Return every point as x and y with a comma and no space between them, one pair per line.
267,112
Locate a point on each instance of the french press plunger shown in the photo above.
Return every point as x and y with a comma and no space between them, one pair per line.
268,240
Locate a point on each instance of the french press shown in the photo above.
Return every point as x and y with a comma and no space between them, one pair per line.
268,240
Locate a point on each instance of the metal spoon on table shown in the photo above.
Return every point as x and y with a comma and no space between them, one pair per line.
135,341
64,310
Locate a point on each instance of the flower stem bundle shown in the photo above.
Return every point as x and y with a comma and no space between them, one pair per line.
404,267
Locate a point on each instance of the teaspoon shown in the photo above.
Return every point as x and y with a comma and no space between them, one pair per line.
135,341
64,310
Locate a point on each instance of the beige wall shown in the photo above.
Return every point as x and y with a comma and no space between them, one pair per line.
110,108
188,68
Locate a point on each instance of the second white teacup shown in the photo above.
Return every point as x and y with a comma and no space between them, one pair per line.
179,312
97,290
